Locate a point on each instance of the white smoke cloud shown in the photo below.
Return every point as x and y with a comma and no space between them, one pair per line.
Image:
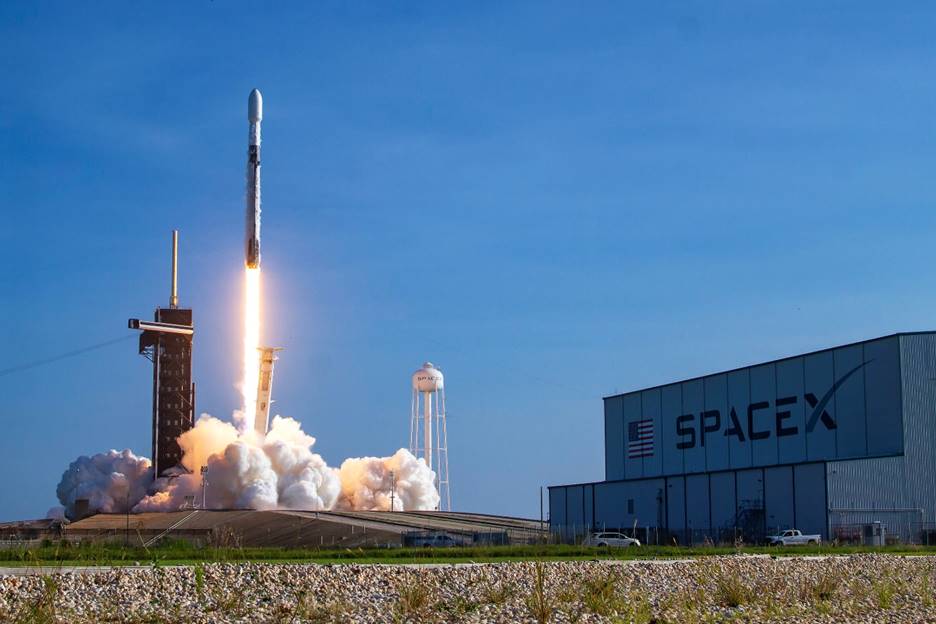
250,471
305,480
367,484
109,481
56,513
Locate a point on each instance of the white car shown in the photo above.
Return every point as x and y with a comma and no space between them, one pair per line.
610,539
793,537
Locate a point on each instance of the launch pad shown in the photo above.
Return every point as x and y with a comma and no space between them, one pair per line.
307,529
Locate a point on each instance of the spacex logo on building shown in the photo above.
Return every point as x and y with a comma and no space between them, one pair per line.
759,422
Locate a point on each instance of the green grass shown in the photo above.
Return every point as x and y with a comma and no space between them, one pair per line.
182,552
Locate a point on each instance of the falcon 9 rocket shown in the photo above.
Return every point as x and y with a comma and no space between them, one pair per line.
252,234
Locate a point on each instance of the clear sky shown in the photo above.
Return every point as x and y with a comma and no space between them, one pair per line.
551,201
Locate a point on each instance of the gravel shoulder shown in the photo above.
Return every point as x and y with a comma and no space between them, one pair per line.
859,588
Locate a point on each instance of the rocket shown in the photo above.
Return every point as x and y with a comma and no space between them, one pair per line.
252,234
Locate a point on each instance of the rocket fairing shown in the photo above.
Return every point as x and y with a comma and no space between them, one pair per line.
252,234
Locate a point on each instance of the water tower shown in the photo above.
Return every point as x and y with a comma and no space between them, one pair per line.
428,405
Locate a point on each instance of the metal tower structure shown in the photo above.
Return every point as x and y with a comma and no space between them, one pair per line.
167,343
428,404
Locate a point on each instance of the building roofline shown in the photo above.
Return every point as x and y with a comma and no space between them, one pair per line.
774,361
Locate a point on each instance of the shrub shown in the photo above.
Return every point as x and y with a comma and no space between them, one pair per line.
413,600
538,601
825,587
731,590
497,593
600,596
42,611
884,591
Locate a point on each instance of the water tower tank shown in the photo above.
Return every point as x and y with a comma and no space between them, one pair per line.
427,379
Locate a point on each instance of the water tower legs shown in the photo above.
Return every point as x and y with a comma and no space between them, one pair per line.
427,427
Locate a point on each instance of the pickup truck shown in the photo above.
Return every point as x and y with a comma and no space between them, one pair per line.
793,537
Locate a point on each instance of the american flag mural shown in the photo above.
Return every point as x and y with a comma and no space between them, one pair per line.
639,439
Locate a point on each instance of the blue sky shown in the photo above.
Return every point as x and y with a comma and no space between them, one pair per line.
552,202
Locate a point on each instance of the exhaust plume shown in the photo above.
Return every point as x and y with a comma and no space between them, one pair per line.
367,483
251,373
248,470
109,481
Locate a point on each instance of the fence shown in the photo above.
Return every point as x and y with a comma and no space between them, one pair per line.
576,534
901,526
899,529
8,544
909,533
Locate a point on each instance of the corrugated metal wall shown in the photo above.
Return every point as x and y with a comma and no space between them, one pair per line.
575,506
557,502
898,491
918,363
589,504
620,504
739,394
790,383
809,499
879,396
676,503
818,372
717,455
711,505
750,489
763,394
779,511
865,483
671,409
883,405
698,509
614,438
840,403
722,499
693,399
633,467
651,409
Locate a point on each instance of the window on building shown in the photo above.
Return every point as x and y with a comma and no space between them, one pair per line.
630,506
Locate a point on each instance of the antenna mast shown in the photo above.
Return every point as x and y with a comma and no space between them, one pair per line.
174,293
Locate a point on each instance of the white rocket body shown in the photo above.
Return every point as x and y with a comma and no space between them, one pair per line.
252,234
265,389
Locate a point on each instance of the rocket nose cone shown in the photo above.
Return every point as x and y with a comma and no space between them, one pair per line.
255,106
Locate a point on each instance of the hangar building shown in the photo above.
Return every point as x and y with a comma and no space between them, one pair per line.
829,442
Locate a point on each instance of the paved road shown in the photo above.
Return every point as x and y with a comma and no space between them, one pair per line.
43,570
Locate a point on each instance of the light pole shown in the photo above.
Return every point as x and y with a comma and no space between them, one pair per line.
392,489
204,487
127,533
541,508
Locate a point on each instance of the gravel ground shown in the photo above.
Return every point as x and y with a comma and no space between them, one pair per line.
861,588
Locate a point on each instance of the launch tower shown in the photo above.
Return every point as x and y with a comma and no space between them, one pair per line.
167,343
